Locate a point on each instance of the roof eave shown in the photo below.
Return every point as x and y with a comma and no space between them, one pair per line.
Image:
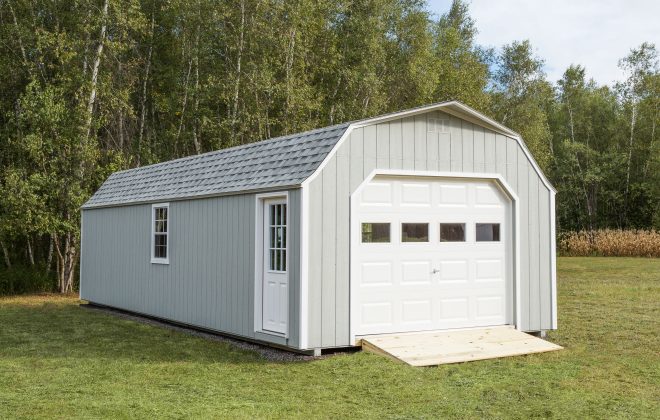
192,197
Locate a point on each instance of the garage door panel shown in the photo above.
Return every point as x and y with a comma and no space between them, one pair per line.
376,273
416,195
452,195
453,309
453,271
416,286
487,196
489,269
377,193
415,272
488,307
416,311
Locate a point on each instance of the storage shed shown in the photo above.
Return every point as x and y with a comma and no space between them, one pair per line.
427,219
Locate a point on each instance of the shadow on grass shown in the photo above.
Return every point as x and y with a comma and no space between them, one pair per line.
69,331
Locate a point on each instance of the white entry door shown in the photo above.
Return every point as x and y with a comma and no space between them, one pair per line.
275,279
430,253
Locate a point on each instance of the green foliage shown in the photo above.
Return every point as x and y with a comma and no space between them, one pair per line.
94,86
117,368
22,279
522,98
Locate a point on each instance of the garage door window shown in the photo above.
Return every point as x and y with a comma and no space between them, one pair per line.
414,232
452,232
488,232
375,232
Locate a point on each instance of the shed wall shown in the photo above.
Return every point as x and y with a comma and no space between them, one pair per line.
407,144
209,282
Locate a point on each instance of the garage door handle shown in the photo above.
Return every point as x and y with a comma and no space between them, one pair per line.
435,271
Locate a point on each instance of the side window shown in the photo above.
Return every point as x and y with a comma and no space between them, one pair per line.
375,232
452,232
488,232
414,232
277,245
160,233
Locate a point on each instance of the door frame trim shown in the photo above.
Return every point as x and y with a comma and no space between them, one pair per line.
499,181
260,199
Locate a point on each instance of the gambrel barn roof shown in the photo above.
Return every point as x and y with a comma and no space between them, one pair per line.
279,162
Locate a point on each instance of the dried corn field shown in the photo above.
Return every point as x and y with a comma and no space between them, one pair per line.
610,243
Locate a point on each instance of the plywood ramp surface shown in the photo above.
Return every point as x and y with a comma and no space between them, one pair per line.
441,347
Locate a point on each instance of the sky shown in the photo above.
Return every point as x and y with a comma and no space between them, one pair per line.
593,33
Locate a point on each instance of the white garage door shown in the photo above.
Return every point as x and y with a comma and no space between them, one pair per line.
430,253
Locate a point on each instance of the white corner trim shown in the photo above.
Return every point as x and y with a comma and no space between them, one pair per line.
506,188
259,259
155,260
80,270
304,267
553,261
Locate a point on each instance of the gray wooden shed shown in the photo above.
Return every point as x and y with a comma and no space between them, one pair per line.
427,219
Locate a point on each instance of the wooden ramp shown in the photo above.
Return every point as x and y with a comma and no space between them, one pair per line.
454,346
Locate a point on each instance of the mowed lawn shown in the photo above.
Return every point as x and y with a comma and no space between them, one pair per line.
60,360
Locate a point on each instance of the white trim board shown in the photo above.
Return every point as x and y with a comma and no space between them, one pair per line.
304,269
553,261
502,184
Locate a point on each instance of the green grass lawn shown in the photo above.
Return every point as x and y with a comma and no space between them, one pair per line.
60,360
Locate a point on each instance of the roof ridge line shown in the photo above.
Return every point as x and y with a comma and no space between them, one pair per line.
237,147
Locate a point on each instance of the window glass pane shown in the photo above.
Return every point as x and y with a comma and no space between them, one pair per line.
414,232
284,237
375,232
452,232
284,260
271,266
488,232
160,232
284,214
272,215
278,243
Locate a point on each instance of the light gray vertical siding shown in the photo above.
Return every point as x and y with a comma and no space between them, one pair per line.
210,280
408,144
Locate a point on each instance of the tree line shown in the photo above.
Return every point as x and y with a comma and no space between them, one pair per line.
94,86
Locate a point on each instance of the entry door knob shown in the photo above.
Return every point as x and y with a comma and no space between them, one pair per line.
435,270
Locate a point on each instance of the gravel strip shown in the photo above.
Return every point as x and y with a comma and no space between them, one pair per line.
271,354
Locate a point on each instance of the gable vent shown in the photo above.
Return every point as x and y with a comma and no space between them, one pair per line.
438,125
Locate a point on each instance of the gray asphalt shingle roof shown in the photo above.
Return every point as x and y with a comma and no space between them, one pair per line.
277,162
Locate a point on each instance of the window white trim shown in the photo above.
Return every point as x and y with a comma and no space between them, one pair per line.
499,181
259,258
154,259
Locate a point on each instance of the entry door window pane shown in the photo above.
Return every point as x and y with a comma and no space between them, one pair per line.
414,232
375,232
277,240
452,232
488,232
